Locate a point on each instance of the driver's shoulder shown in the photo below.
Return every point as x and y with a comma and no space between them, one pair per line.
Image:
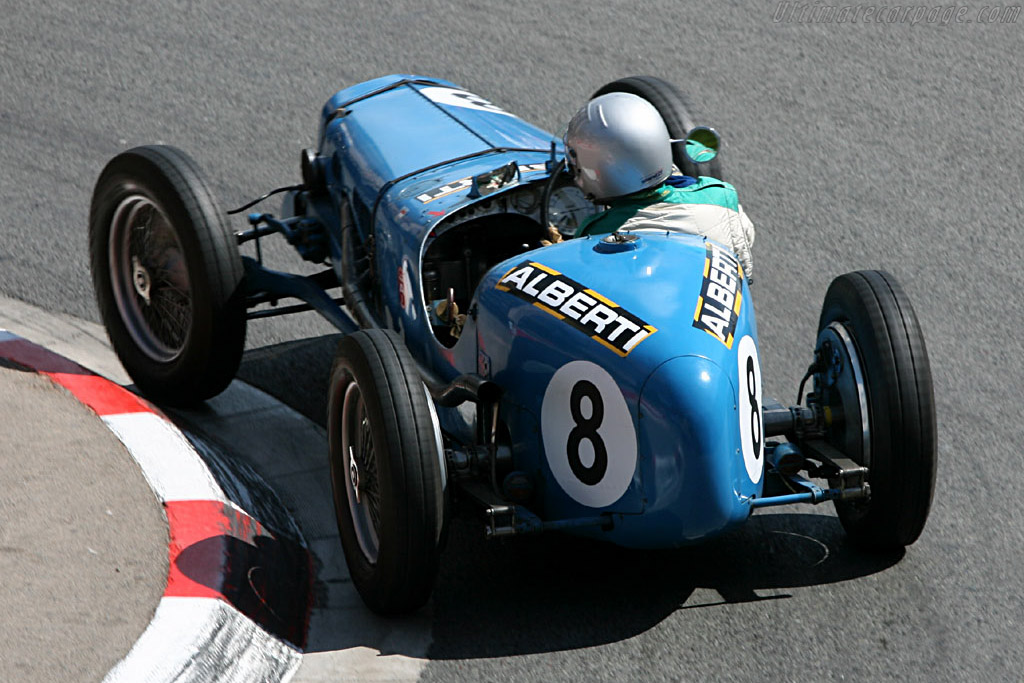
706,190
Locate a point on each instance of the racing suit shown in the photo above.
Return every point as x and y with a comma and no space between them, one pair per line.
699,206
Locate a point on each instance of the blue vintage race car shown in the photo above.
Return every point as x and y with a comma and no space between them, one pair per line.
604,386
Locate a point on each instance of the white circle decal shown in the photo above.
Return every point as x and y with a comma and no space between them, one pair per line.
460,98
589,439
750,409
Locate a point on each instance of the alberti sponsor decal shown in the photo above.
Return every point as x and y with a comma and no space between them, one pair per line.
720,300
596,316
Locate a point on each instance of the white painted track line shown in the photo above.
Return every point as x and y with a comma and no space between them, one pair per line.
199,639
169,462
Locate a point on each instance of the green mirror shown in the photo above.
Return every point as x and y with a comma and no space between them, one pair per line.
702,144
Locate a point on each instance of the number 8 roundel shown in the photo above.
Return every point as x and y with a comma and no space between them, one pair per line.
589,438
751,413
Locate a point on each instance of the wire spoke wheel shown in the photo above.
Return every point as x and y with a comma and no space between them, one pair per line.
167,274
149,278
361,484
387,472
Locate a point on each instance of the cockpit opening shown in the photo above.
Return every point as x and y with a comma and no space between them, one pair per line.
457,260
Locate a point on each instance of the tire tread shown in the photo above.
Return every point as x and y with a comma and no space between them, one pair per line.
407,562
213,352
901,407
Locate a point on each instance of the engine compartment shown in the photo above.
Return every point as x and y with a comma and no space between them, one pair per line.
455,261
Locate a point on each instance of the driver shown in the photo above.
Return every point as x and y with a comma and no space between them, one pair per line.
620,154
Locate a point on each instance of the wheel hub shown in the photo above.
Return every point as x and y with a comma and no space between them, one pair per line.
842,393
835,360
149,278
359,474
353,473
141,279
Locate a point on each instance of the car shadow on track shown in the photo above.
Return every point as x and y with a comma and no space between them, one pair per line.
295,373
551,593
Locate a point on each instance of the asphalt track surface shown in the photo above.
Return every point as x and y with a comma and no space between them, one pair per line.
84,548
852,146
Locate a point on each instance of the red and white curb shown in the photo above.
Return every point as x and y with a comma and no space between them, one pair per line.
220,618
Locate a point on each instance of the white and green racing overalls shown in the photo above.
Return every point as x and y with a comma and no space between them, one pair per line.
702,206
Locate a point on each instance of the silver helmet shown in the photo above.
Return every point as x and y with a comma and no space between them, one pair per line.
617,144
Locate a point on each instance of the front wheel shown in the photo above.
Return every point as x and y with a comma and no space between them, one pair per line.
167,275
387,472
874,384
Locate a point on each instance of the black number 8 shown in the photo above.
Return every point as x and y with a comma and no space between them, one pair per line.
755,414
587,429
476,100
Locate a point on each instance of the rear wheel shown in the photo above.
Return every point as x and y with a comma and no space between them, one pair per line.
386,471
671,104
167,275
874,384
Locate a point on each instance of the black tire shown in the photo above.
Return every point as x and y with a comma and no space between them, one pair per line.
672,106
390,508
167,275
896,441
